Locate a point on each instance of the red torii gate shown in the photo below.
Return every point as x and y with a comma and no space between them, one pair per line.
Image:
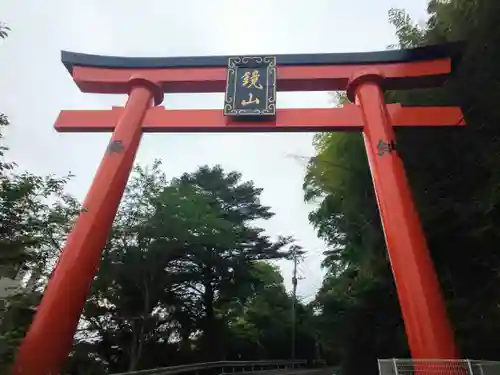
363,75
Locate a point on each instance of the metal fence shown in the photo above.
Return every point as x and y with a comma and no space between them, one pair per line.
222,367
437,367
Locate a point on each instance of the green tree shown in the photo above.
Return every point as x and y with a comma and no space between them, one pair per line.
180,256
35,216
458,196
220,261
455,184
261,327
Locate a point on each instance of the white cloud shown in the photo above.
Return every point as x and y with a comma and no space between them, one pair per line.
35,86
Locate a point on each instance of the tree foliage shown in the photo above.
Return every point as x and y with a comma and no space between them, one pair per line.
4,30
453,173
35,216
185,277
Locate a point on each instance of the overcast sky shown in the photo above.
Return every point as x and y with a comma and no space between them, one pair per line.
34,86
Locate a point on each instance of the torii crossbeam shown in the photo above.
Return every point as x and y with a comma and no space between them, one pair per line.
363,75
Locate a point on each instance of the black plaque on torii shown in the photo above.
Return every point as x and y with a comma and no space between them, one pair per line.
251,88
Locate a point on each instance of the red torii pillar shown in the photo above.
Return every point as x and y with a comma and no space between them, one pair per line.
430,336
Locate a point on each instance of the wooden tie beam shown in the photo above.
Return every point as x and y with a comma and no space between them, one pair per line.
347,118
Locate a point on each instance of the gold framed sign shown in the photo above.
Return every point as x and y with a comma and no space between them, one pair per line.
251,88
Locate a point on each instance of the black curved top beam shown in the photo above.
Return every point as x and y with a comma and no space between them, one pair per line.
452,50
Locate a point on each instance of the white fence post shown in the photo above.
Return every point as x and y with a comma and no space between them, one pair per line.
395,364
469,365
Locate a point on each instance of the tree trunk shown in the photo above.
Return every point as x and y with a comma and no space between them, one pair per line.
185,341
211,344
137,340
132,363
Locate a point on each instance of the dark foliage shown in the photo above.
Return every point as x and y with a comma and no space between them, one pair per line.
456,184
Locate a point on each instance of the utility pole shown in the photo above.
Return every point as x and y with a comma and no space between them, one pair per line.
294,296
